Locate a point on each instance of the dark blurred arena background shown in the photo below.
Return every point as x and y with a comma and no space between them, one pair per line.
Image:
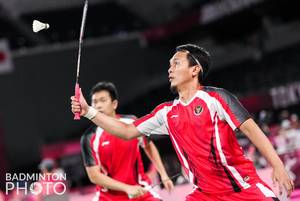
254,44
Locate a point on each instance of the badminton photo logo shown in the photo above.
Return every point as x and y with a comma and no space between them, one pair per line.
36,184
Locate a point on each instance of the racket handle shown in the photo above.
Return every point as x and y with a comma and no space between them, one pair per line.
77,96
147,188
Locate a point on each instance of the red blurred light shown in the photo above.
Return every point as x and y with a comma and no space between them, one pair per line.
2,56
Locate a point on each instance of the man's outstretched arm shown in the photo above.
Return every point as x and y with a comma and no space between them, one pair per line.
111,125
258,138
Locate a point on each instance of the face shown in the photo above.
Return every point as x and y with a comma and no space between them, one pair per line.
180,72
102,101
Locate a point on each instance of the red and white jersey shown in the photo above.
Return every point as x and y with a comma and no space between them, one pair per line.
203,134
119,159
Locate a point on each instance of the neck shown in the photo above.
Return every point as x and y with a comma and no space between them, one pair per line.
113,115
187,92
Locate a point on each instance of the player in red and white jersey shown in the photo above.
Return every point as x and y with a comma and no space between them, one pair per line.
201,124
114,164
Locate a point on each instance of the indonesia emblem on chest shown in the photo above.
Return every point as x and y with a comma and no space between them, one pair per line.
198,110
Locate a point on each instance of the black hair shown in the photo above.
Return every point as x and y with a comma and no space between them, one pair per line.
105,86
197,55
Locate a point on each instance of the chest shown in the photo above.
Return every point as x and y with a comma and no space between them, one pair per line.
196,115
110,147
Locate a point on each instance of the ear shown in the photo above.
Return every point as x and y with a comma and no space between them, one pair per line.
196,70
115,104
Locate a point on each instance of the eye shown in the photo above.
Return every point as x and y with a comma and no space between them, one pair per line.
103,100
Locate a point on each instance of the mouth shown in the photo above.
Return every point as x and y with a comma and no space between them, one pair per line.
171,78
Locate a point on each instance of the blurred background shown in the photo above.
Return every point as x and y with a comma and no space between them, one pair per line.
254,44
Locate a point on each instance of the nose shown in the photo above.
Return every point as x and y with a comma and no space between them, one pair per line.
170,70
97,106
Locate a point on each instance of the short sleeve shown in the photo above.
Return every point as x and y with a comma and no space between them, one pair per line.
230,109
88,154
153,123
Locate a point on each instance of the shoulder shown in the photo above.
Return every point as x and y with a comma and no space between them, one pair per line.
210,89
219,93
164,105
88,134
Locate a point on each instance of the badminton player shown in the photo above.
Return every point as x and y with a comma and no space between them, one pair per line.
201,124
113,164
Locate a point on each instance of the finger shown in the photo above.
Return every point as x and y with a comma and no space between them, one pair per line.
289,193
140,191
137,194
280,189
80,92
293,185
169,186
171,183
144,191
75,102
75,106
289,188
75,109
274,180
169,189
73,99
81,95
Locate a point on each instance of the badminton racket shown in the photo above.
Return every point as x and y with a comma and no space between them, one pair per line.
77,87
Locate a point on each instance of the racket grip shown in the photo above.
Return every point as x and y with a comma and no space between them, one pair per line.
77,96
148,188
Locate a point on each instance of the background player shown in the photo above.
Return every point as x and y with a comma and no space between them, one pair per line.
113,164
